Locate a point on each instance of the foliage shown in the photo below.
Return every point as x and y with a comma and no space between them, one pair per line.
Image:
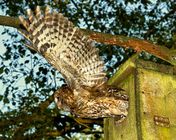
28,80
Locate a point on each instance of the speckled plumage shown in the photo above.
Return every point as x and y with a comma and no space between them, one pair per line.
74,55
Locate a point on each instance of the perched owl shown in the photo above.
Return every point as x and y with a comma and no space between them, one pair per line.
73,54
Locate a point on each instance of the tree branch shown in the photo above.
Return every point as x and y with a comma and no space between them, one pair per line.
10,21
128,42
138,45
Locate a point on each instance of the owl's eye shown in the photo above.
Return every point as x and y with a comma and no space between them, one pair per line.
60,100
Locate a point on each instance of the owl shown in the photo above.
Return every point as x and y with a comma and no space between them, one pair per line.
86,93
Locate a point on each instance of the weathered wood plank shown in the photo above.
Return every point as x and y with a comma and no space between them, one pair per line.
152,111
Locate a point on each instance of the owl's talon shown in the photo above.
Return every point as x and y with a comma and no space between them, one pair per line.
119,121
115,92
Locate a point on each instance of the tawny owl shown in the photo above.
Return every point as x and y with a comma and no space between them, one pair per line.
74,55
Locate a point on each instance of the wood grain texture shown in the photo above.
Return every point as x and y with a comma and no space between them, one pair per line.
152,100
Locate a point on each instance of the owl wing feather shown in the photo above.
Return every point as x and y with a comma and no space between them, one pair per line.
65,47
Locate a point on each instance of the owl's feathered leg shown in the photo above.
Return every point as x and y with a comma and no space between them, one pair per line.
119,119
118,93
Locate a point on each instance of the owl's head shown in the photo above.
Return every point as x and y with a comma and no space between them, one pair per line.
64,99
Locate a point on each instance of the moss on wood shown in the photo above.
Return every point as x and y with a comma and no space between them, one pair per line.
152,92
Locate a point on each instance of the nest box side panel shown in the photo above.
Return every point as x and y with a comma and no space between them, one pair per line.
126,130
157,92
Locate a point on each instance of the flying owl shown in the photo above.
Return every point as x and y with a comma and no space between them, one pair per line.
74,55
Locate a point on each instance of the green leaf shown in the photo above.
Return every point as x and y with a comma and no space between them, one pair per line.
28,79
36,99
1,70
13,103
27,61
1,97
6,100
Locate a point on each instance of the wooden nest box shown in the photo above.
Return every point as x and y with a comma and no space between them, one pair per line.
152,109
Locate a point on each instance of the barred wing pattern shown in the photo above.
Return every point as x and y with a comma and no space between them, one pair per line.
73,54
65,47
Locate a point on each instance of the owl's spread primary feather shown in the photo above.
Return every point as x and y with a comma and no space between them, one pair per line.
74,55
65,47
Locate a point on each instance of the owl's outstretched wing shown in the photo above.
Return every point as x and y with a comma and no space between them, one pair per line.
65,47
